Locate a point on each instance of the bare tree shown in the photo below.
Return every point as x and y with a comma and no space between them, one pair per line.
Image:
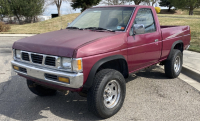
151,2
58,4
114,2
154,2
137,2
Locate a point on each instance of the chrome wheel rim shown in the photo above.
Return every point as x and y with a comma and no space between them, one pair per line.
111,94
177,64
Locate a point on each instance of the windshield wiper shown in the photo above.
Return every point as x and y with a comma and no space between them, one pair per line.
96,28
99,28
74,28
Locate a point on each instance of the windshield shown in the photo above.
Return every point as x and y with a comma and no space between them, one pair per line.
108,18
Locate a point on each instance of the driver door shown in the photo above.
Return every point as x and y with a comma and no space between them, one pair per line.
144,49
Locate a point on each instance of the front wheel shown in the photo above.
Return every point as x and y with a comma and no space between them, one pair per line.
173,65
106,96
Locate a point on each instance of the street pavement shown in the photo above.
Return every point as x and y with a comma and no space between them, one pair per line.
150,96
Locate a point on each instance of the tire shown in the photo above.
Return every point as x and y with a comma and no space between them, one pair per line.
106,81
176,58
40,90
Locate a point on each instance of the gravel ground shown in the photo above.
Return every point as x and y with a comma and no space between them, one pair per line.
150,97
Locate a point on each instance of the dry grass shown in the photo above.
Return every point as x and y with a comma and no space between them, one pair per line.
179,12
43,27
55,24
194,24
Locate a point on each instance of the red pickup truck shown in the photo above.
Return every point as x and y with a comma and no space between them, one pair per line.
96,53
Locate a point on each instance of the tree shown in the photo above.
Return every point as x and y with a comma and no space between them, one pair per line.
137,2
166,3
4,9
58,4
26,8
186,5
32,8
115,2
12,7
84,4
150,2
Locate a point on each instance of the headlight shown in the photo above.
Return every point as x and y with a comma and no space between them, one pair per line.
18,54
74,64
67,63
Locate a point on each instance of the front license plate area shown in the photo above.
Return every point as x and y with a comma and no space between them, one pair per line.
35,73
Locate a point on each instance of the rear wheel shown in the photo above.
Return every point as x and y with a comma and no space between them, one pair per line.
40,90
107,94
173,65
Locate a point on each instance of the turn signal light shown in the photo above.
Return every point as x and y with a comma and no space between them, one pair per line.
79,64
16,68
62,79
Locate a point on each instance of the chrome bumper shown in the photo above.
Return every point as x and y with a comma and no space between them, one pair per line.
38,72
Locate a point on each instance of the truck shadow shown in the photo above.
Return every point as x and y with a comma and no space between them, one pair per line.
154,72
17,102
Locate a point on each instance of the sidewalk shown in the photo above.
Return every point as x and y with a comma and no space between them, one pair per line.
191,69
191,61
16,35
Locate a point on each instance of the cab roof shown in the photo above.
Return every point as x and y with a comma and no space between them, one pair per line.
136,6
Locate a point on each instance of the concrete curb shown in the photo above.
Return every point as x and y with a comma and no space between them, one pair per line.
190,77
16,35
191,69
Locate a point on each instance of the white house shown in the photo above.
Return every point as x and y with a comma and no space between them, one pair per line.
43,18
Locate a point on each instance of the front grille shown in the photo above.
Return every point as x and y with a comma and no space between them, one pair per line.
25,56
51,77
22,70
50,61
37,58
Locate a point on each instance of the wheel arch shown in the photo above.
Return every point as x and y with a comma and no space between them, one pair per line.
99,64
176,45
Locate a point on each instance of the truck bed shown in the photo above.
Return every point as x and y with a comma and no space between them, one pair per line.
170,34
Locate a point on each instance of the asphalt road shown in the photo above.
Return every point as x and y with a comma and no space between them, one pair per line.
150,97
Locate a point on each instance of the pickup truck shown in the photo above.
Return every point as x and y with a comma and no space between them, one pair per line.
96,53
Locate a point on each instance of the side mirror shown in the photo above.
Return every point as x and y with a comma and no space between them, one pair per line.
68,24
138,29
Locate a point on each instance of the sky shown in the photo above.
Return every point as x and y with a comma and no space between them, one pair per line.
65,9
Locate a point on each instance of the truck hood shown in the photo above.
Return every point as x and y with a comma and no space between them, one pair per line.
60,43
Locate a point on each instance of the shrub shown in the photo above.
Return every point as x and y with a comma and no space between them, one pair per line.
4,27
157,9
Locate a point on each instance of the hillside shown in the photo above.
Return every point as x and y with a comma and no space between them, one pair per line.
44,26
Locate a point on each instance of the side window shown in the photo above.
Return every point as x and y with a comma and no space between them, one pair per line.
118,19
145,17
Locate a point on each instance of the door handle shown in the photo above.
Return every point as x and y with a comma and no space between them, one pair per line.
156,40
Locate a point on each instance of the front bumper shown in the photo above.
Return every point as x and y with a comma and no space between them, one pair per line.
39,72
